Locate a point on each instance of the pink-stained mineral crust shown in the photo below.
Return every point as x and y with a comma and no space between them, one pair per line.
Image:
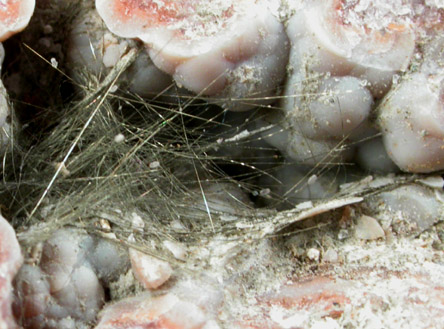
151,272
232,49
368,298
14,16
163,312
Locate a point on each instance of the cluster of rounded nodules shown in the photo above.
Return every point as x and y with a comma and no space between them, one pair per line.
65,287
340,73
349,71
69,278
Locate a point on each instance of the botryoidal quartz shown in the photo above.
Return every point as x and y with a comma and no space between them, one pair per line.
344,61
66,289
412,117
339,63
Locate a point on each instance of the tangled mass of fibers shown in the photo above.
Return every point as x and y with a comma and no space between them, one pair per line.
168,135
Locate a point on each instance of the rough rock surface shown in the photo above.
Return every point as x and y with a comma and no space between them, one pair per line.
10,261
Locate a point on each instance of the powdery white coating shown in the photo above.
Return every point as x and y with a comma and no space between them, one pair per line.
229,49
65,289
10,261
335,37
14,16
